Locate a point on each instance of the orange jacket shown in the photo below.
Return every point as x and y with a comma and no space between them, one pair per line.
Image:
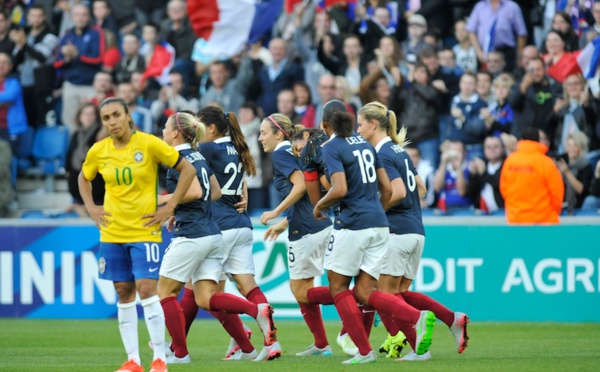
531,185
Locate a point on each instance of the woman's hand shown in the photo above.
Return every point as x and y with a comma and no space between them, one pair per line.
98,214
269,215
242,205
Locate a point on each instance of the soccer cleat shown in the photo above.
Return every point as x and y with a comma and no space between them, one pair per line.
240,355
172,359
459,331
158,365
233,346
313,350
347,344
376,319
393,345
266,323
424,330
168,350
270,352
361,359
413,357
130,366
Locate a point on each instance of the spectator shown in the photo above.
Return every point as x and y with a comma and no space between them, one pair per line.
592,201
483,186
33,57
171,99
88,126
529,52
562,22
370,29
145,95
80,56
141,116
258,190
280,74
353,66
285,106
7,189
227,92
124,13
62,19
466,56
177,31
344,93
532,99
594,30
286,24
499,116
131,60
577,171
496,63
559,62
103,86
530,183
468,126
484,87
303,98
418,107
497,25
451,177
6,44
149,11
447,62
103,17
417,27
13,120
576,111
426,171
436,13
312,117
159,57
390,60
112,55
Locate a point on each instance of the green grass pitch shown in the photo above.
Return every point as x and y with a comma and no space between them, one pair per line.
84,345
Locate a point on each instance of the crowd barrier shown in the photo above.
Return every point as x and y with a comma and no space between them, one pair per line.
494,272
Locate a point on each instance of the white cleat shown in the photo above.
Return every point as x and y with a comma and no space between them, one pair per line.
168,351
361,359
266,323
413,357
459,331
313,350
172,359
233,345
347,344
240,355
270,352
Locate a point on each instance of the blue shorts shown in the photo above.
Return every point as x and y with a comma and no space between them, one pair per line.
129,262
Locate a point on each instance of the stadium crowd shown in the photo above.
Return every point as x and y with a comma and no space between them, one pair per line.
465,77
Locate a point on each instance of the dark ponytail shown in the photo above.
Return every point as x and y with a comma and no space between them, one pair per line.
341,123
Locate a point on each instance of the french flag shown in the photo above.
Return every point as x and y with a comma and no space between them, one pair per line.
589,58
161,62
228,25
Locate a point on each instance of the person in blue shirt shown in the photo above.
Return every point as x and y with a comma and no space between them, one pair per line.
307,237
377,124
229,158
358,244
196,249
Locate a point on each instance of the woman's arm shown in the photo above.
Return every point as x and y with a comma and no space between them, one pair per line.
337,191
193,193
298,190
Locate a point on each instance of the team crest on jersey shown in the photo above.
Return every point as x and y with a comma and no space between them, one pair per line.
138,156
101,265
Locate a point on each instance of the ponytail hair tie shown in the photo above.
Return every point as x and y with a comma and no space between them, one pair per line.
226,115
387,113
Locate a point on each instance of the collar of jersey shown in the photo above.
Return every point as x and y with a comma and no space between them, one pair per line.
383,141
333,135
281,144
223,139
183,146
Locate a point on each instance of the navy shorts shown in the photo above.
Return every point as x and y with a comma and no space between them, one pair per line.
129,262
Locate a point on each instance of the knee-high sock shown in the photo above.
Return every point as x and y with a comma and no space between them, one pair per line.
389,323
319,295
175,325
368,315
189,308
155,322
231,304
128,327
424,302
314,321
386,303
257,296
234,326
409,332
351,317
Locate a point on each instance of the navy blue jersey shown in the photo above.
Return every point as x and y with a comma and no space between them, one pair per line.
360,208
312,155
405,217
225,163
300,215
193,219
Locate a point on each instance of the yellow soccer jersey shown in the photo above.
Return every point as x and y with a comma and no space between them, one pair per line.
131,177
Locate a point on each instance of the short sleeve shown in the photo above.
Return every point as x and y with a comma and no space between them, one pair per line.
333,159
390,165
285,163
207,149
162,152
90,165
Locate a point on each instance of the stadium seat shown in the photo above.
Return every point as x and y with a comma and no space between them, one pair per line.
587,212
49,150
34,214
432,212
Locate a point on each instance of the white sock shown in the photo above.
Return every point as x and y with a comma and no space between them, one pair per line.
155,321
128,327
